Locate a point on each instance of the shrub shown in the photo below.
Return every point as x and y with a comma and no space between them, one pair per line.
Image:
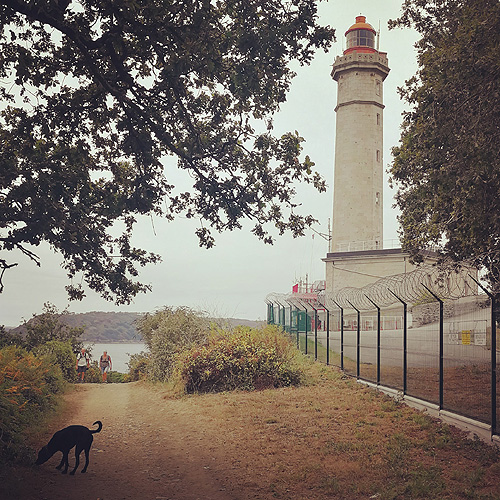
245,359
61,354
28,386
93,374
138,366
168,332
10,338
118,378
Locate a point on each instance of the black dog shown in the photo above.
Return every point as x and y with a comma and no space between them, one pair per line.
65,439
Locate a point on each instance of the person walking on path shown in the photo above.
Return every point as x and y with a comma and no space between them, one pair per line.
82,364
105,365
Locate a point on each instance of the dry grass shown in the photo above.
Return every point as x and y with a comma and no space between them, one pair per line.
331,439
339,439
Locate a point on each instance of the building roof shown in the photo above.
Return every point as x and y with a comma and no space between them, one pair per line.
361,24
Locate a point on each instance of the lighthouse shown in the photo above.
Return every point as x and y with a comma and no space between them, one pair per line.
358,175
357,255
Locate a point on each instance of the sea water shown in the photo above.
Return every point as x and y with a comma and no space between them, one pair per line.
119,353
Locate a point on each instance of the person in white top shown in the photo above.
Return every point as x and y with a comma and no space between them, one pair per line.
82,364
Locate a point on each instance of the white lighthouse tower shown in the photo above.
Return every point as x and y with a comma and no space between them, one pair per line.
358,178
357,256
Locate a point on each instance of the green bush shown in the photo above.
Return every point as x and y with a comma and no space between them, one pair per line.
28,385
245,359
167,332
138,366
9,338
61,354
93,374
118,378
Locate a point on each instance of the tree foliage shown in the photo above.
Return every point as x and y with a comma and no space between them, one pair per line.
100,94
60,354
50,326
8,338
166,333
29,386
447,166
138,366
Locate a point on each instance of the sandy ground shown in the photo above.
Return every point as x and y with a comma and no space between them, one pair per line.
335,439
147,449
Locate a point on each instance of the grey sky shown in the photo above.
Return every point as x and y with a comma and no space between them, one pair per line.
234,278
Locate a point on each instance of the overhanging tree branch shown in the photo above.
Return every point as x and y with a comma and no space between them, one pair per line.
121,86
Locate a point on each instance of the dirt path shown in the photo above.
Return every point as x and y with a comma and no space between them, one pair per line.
148,449
334,439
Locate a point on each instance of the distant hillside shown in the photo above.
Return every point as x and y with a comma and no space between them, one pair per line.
104,327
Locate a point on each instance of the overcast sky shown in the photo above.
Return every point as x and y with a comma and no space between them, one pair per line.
233,279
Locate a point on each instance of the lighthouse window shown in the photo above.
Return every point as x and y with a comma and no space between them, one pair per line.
360,38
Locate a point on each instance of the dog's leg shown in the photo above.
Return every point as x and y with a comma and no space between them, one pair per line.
65,461
58,467
78,450
87,450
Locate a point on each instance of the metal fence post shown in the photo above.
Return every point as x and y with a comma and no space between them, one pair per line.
341,335
323,305
405,343
269,312
441,346
327,336
290,315
315,333
298,332
493,357
358,339
305,309
283,313
378,338
297,319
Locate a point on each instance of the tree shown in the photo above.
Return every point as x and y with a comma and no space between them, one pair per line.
447,165
169,331
8,338
60,354
50,326
102,93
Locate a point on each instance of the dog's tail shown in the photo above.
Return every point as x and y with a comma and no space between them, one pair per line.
99,423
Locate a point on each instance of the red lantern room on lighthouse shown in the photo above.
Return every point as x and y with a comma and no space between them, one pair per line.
360,37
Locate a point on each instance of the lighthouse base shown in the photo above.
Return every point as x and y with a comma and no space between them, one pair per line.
358,269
